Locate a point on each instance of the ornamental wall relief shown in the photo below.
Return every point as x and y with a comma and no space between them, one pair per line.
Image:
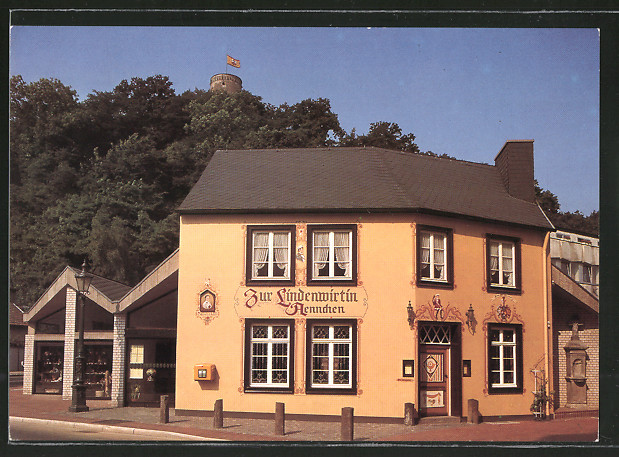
434,310
502,311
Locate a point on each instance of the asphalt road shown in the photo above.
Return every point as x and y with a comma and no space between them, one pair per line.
44,432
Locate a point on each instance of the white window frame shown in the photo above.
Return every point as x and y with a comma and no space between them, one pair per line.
270,341
501,246
502,344
136,357
270,261
331,260
432,234
331,341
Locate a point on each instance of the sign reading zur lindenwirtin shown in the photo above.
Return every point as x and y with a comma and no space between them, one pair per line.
256,301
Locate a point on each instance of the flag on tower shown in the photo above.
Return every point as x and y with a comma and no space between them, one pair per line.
233,62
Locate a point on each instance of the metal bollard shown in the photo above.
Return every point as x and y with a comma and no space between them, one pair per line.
218,414
348,424
473,413
280,418
164,409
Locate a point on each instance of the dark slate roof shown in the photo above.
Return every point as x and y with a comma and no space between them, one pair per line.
113,290
354,179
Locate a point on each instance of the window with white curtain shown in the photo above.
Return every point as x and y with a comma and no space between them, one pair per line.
433,253
332,254
270,254
502,258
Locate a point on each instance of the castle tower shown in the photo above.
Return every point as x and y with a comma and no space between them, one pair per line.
227,82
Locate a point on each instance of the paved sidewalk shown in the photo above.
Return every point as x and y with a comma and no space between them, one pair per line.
52,407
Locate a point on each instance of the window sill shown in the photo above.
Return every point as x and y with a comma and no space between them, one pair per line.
331,391
332,282
269,282
431,283
268,390
505,390
505,290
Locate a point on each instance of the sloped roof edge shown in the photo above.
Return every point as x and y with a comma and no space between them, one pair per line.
110,304
67,278
161,272
571,287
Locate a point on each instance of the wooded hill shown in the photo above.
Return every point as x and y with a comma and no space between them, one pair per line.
100,179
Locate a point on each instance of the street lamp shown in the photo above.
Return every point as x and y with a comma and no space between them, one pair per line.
78,399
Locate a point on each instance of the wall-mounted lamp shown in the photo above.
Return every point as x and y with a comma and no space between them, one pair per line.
471,322
411,314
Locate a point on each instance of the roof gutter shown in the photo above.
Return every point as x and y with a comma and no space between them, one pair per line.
205,212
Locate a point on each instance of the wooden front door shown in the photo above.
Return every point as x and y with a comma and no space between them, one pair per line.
434,380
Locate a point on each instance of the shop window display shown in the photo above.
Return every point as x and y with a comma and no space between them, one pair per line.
98,375
49,369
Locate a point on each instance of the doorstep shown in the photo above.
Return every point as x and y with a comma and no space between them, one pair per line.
439,420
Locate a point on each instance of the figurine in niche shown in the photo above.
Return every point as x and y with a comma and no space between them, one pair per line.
207,301
578,369
438,308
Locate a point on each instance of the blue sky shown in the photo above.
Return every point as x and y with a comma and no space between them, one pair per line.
463,92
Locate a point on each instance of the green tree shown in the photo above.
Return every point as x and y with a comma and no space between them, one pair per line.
386,135
101,178
570,221
219,120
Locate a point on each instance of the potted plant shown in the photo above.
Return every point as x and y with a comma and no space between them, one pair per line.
540,399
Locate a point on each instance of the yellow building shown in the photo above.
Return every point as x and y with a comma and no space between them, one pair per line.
364,278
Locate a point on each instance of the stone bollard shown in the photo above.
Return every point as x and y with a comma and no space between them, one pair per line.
218,414
280,418
348,424
164,409
473,417
410,415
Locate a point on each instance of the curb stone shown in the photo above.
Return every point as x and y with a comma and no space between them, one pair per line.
113,428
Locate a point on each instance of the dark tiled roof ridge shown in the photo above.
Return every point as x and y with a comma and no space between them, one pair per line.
359,148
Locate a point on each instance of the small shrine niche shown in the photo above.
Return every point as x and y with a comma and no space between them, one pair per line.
576,365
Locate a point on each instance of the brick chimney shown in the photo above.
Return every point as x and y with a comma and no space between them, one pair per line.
515,165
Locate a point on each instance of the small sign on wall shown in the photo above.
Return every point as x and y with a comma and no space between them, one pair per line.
466,368
408,368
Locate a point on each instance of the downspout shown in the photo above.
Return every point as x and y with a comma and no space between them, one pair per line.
547,323
547,303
